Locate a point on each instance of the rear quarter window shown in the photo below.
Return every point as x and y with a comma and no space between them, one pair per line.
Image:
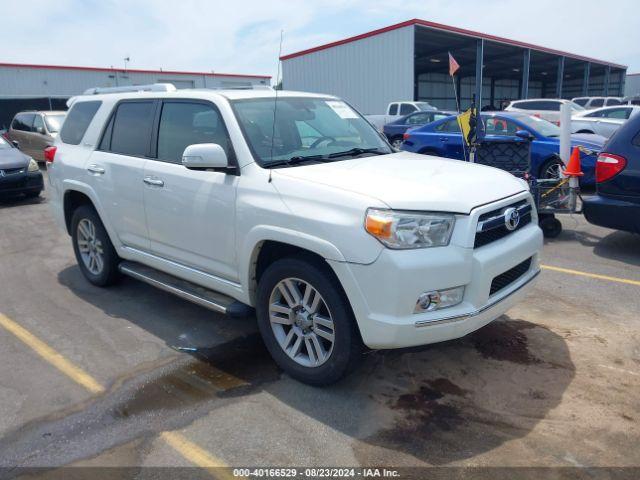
77,121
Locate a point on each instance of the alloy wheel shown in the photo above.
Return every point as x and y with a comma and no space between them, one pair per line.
90,247
301,322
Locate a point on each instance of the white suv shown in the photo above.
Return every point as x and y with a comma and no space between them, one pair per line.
298,208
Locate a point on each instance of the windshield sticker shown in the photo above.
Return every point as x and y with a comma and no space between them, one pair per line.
342,109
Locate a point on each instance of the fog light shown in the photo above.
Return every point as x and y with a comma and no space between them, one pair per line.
439,299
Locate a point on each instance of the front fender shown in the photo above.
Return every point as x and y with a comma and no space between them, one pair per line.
263,233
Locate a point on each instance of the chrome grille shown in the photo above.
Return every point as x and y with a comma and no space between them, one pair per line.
492,225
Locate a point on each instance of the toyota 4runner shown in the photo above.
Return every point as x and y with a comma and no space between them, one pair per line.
293,205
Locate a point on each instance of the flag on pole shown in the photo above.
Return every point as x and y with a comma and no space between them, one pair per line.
453,65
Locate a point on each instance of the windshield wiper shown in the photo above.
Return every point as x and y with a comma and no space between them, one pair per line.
296,160
357,151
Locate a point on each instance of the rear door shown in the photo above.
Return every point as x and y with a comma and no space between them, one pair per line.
21,131
191,214
450,139
116,169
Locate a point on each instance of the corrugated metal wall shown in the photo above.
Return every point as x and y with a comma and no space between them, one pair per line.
632,85
368,73
68,82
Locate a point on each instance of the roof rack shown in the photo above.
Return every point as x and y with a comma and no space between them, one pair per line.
153,87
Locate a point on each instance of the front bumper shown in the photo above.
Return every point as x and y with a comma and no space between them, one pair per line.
383,294
16,184
614,213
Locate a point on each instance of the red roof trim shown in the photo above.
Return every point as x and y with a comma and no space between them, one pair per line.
132,70
447,28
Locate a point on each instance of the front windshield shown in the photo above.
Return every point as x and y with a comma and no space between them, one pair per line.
54,122
3,143
304,127
543,127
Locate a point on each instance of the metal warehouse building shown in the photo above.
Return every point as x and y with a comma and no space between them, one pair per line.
409,61
48,87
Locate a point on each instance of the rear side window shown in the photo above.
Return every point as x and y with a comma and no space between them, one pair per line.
393,109
183,124
613,101
597,102
77,121
420,119
23,122
130,133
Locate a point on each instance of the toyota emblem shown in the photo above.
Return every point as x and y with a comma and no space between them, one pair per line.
511,218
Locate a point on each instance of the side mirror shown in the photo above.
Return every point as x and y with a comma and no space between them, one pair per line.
15,143
201,156
41,131
524,134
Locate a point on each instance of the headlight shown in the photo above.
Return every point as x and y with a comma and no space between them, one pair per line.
404,230
33,166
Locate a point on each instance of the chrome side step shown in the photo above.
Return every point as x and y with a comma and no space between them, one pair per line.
186,290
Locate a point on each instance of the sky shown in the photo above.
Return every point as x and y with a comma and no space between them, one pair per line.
244,36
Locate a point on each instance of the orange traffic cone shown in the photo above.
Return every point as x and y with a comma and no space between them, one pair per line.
573,168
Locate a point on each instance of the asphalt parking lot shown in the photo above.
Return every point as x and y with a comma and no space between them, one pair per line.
132,376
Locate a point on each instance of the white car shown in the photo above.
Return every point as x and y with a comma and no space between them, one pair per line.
333,238
602,121
545,108
590,103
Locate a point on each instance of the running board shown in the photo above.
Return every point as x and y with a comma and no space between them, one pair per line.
186,290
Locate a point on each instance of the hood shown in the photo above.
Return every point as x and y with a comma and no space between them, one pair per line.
409,181
13,158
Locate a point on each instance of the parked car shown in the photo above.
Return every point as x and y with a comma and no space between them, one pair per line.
631,100
395,130
546,108
395,110
19,173
35,131
602,121
333,237
443,139
617,203
589,103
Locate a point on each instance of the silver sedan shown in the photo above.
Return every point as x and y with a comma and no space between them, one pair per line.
602,121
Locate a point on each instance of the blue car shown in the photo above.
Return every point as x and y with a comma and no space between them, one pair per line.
394,130
617,203
443,139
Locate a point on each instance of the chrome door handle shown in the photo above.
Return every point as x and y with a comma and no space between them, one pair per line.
96,169
156,182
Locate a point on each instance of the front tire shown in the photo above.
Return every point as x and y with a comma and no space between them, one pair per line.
96,257
306,322
551,169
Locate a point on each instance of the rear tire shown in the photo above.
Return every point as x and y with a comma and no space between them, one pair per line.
96,257
314,337
396,142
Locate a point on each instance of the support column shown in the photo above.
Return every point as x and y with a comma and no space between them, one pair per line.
607,77
525,74
585,80
623,79
560,77
479,62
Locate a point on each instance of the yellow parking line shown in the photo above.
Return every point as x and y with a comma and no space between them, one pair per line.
591,275
177,441
50,355
195,454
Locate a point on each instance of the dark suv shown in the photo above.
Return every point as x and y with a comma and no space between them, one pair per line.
617,203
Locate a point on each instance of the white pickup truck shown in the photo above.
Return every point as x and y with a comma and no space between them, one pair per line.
315,222
395,110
